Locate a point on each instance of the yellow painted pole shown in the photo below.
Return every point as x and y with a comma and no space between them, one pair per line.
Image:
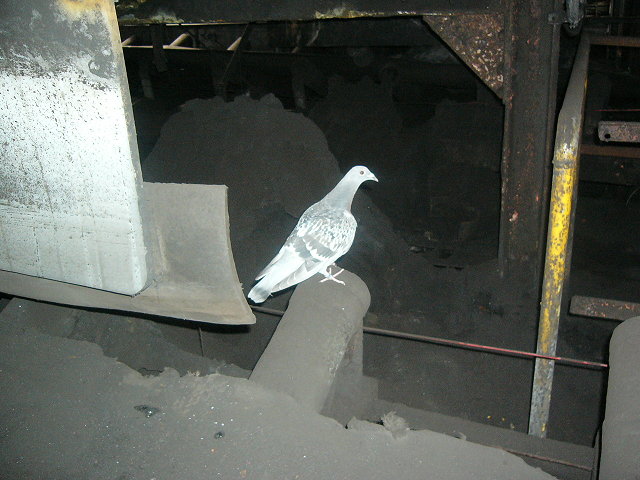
563,190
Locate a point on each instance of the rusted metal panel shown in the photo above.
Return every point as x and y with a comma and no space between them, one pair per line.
603,308
478,39
619,131
241,11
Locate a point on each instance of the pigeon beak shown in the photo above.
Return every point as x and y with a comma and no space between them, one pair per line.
373,177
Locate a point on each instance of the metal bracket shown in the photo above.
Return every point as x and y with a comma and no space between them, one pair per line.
478,39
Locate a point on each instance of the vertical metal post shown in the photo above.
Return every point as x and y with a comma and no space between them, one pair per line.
563,186
531,64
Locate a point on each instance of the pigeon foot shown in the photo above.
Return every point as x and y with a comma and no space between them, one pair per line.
329,276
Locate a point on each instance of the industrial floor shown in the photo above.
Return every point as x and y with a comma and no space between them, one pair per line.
85,397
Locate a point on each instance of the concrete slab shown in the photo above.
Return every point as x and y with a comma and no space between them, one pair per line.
194,274
69,412
69,174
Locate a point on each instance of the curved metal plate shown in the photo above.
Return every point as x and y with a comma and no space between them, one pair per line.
195,277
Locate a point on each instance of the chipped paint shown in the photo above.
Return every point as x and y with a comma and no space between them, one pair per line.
561,212
616,131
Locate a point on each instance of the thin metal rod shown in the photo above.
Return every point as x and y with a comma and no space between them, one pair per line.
458,344
484,348
617,110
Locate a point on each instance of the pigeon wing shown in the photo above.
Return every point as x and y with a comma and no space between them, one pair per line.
323,234
321,237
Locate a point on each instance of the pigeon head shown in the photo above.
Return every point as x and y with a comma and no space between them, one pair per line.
342,195
361,174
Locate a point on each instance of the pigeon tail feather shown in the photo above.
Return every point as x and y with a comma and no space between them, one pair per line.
276,273
259,293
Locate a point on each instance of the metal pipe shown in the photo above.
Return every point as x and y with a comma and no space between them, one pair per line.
563,187
128,41
183,37
234,46
456,343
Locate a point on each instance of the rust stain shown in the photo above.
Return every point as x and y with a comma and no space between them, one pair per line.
345,12
91,10
614,131
479,41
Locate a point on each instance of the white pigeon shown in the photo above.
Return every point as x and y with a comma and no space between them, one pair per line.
323,234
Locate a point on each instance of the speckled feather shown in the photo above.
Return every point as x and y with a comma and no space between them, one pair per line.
323,234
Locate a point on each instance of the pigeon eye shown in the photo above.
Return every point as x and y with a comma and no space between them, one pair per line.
361,172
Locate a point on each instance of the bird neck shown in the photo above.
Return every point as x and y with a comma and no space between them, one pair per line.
342,194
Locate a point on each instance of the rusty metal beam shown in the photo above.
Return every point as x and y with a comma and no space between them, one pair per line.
615,41
257,63
531,59
561,215
478,39
610,151
244,11
603,308
609,131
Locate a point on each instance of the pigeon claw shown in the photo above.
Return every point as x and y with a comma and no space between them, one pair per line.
329,276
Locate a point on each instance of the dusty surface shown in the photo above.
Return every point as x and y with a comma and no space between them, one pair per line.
74,413
146,344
